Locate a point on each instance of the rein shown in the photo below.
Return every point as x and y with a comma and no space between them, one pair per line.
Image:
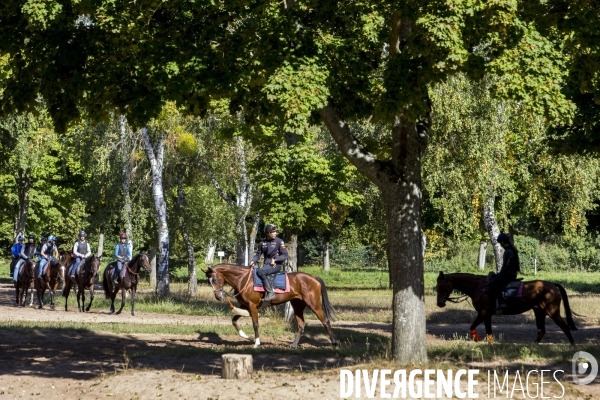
227,294
458,299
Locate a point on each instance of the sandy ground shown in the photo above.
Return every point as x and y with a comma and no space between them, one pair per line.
69,364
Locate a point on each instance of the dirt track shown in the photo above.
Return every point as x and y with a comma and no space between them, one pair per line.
82,364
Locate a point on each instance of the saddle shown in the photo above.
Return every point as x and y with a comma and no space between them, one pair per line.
282,282
513,289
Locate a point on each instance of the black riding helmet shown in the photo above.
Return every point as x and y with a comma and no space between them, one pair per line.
31,236
503,237
270,228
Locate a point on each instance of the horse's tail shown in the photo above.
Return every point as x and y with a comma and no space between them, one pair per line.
326,305
563,293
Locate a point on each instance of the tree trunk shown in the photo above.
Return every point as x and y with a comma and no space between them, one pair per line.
326,265
23,189
481,259
254,233
126,175
193,279
491,226
236,366
400,183
100,244
424,243
156,165
291,242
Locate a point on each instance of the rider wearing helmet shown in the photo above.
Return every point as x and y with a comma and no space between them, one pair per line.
123,255
49,252
508,273
81,250
275,253
15,250
38,251
27,253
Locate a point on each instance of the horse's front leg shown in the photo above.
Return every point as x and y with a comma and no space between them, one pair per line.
237,327
478,320
52,299
487,320
254,315
16,294
80,294
132,300
122,301
91,298
40,295
31,290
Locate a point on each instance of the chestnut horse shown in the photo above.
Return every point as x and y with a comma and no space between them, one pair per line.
24,280
541,296
129,281
305,290
88,272
54,272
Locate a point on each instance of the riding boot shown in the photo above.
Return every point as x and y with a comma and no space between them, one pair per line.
268,283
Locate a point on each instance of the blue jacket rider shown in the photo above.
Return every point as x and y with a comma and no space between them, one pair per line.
81,250
123,255
27,253
275,253
15,250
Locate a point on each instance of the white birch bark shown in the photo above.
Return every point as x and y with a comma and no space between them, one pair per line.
481,258
491,226
156,165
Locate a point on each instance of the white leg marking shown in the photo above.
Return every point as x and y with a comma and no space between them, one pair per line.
257,343
243,334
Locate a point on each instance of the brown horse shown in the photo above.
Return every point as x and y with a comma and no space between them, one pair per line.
88,272
305,290
24,280
129,281
49,280
541,296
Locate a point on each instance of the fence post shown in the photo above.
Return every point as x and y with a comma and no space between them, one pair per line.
152,254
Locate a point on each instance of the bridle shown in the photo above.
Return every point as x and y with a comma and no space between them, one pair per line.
447,293
146,262
222,291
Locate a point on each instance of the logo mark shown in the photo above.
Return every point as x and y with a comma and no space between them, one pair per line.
584,362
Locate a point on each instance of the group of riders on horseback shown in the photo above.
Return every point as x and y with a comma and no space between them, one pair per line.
47,251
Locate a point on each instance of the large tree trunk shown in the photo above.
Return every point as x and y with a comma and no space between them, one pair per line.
23,188
481,258
193,279
126,176
156,165
326,265
291,242
491,226
400,183
254,232
100,244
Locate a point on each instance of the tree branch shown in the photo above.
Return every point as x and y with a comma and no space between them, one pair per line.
217,185
366,162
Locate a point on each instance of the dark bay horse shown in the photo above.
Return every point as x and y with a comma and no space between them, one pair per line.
24,280
54,272
541,296
305,290
129,281
88,272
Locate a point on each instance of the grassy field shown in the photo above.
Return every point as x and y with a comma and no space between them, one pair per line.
356,295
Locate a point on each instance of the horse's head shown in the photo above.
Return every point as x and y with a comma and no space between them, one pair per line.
444,289
94,264
216,280
145,261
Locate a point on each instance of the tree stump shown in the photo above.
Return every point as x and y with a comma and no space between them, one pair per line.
236,366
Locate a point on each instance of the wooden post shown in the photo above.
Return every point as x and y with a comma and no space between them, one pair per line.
152,255
236,366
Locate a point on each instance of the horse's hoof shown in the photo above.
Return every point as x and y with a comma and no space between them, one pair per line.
118,312
87,309
111,312
132,314
40,307
52,306
293,346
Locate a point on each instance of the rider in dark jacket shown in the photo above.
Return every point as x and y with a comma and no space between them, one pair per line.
508,273
275,253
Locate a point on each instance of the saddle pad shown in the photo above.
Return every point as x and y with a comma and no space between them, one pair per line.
514,289
282,282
